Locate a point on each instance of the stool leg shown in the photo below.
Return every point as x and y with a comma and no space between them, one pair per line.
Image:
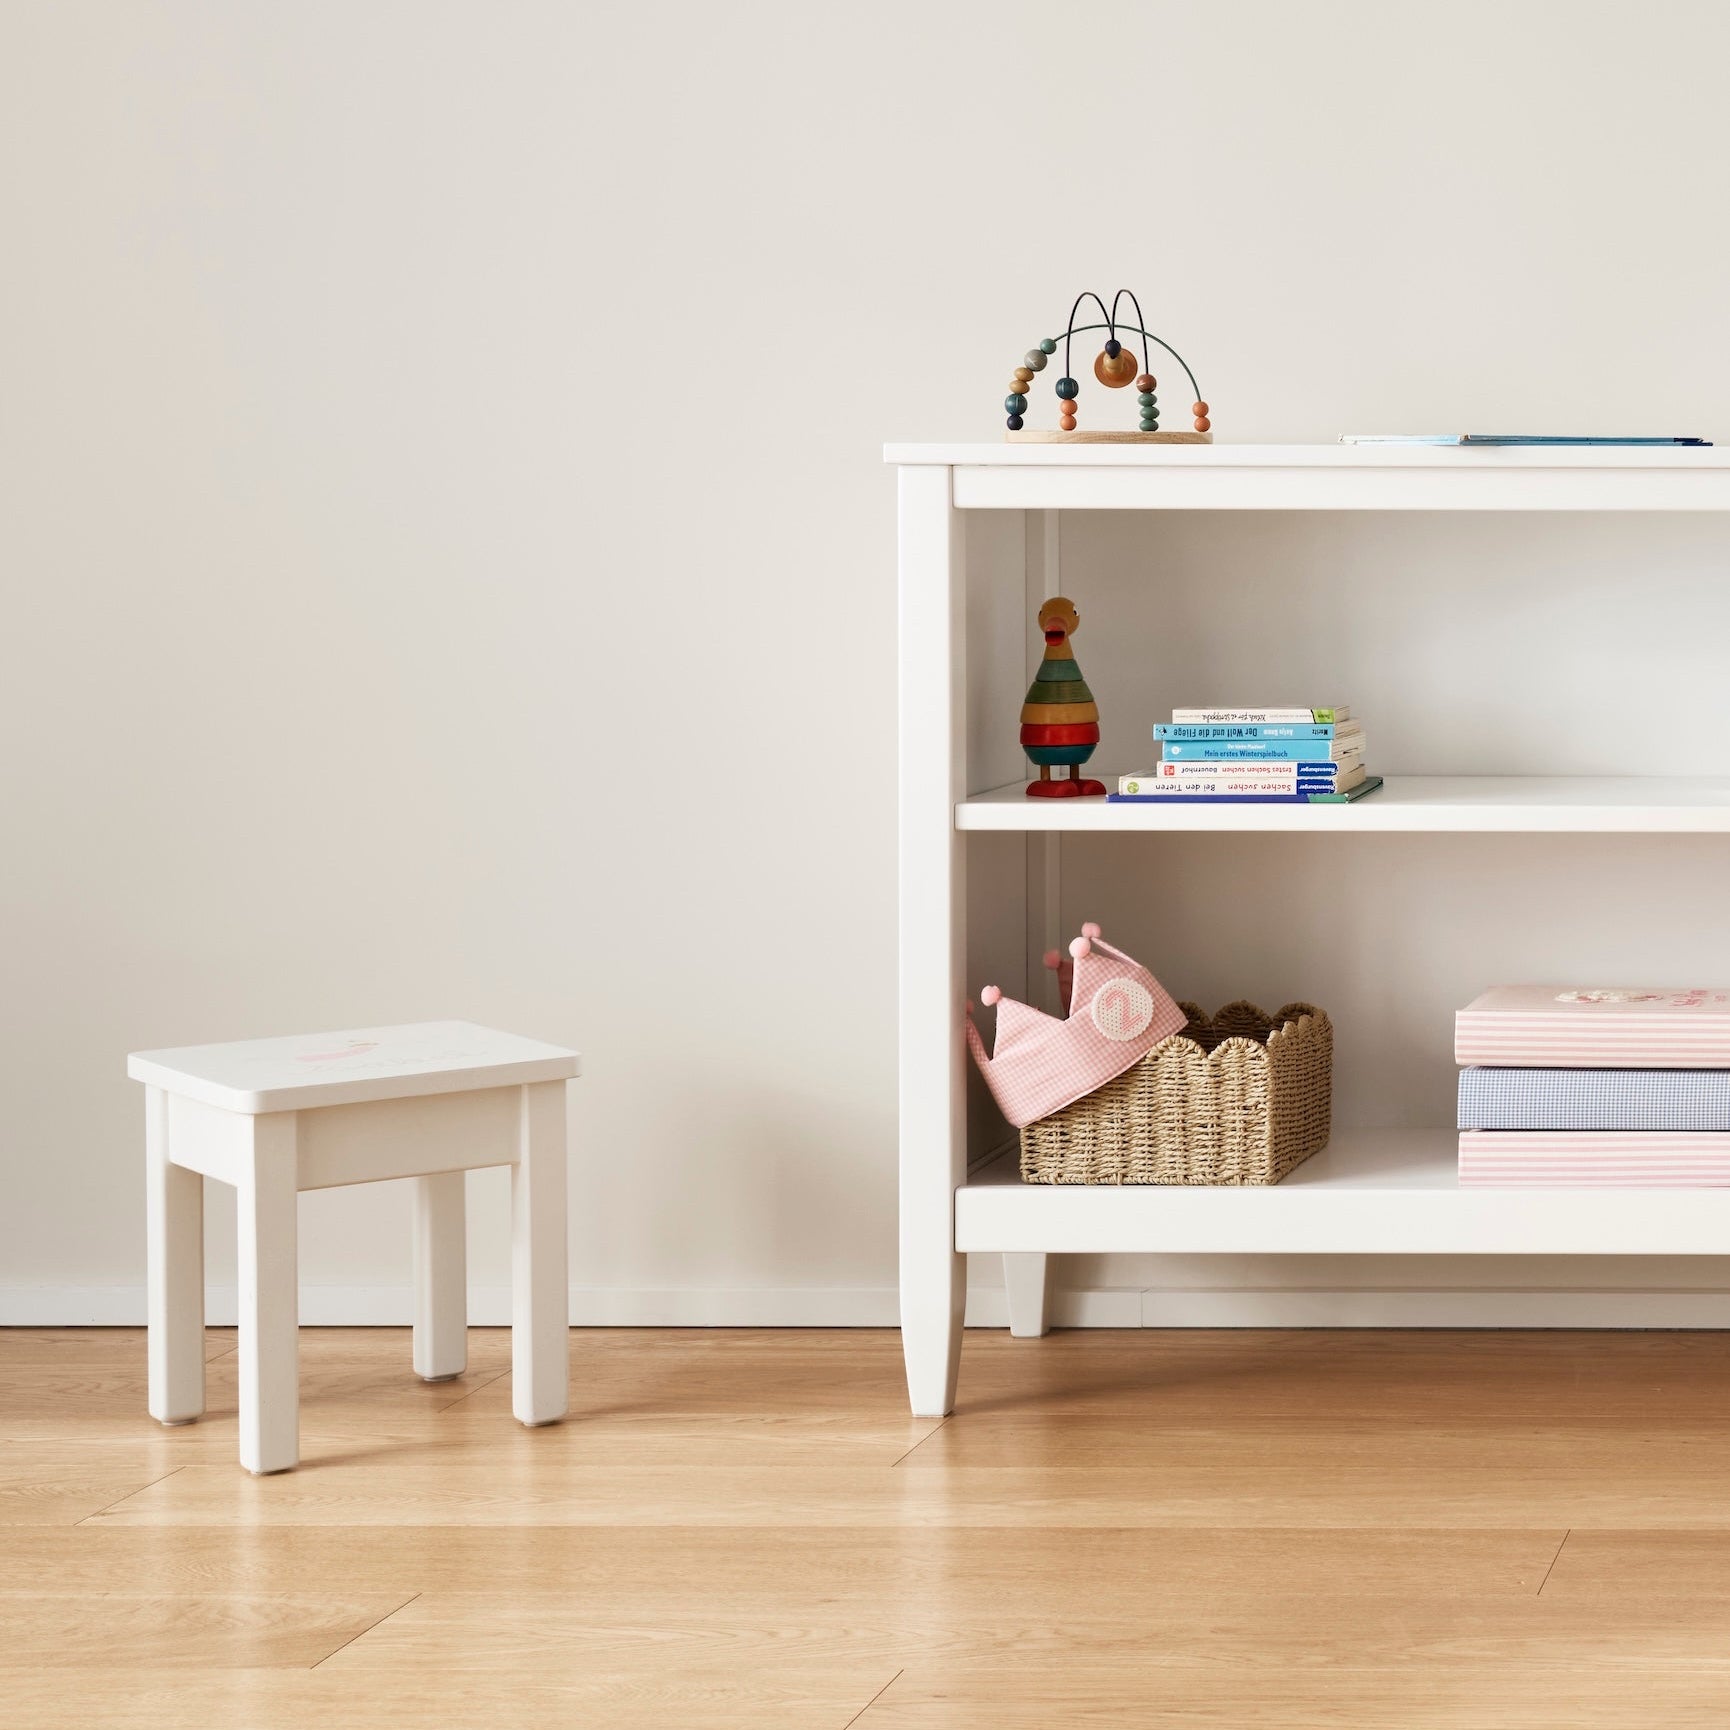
174,1215
441,1297
266,1198
540,1292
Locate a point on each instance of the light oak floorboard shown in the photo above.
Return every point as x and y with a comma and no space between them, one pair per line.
653,1696
1640,1567
1247,1627
1020,1571
468,1488
1131,1697
227,1630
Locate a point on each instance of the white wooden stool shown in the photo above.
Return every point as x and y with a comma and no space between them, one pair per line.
276,1116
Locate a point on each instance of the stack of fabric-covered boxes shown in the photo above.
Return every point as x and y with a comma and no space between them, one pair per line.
1582,1086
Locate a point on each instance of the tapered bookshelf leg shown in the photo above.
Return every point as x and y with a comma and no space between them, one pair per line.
1025,1285
933,936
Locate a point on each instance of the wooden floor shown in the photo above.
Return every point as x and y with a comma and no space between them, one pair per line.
1402,1530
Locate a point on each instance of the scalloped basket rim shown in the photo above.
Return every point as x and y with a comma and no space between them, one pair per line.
1285,1026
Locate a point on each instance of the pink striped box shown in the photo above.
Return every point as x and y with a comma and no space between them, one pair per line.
1596,1158
1605,1027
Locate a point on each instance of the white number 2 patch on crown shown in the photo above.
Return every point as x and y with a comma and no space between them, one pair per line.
1122,1008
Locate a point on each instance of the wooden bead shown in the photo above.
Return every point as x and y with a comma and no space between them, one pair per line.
1068,388
1015,423
1203,424
1116,370
1198,408
1147,382
1036,359
1015,403
1067,422
1025,374
1047,345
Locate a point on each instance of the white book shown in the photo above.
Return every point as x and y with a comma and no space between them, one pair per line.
1249,717
1155,786
1225,780
1253,769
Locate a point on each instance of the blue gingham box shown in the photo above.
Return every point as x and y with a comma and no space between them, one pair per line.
1594,1098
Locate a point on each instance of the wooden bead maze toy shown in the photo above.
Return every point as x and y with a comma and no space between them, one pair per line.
1115,367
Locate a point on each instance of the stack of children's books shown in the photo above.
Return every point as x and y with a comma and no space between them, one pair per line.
1613,1086
1255,757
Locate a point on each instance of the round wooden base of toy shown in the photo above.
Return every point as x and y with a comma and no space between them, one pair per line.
1041,436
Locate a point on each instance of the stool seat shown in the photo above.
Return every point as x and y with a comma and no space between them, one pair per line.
346,1068
273,1117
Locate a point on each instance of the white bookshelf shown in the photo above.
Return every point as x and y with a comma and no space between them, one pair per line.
1382,1192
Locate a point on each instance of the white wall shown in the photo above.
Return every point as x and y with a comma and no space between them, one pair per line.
426,430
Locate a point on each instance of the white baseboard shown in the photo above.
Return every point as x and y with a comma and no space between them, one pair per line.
876,1306
377,1306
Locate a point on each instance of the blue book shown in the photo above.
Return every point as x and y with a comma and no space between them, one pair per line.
1252,750
1249,732
1367,785
1505,439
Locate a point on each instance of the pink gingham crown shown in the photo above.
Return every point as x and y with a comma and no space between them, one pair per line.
1118,1012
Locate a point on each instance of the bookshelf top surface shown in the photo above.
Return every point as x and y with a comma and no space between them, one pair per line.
982,454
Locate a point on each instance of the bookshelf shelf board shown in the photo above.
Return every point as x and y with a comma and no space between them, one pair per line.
1508,804
1372,1192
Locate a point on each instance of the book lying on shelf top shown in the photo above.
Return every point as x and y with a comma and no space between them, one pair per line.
1264,750
1252,731
1587,1159
1156,795
1504,439
1211,779
1594,1099
1604,1027
1216,717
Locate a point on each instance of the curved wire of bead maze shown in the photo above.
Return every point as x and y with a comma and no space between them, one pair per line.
1016,402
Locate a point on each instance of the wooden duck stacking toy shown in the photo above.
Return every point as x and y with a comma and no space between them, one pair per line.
1115,367
1060,720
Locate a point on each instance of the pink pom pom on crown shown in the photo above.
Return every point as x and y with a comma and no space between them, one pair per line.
1080,947
989,996
1053,959
1090,929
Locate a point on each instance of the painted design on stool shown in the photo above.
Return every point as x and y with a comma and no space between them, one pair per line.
355,1048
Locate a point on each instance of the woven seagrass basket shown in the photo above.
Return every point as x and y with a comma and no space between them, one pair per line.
1236,1098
